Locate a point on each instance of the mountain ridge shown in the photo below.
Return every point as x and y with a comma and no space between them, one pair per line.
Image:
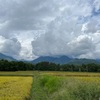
9,58
57,60
65,60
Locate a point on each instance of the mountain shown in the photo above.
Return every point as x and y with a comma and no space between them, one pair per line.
65,60
82,61
57,60
2,56
98,60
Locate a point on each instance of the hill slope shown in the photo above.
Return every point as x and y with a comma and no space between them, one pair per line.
82,61
65,60
2,56
57,60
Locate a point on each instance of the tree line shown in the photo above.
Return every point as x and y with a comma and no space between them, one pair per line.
6,65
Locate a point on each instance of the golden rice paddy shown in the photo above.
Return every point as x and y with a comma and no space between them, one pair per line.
17,85
15,88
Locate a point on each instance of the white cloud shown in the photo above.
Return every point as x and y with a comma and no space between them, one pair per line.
70,33
50,27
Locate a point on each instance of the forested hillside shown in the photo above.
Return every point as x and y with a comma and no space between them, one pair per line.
6,65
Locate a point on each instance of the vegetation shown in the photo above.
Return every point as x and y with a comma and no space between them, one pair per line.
47,66
50,73
44,86
6,65
15,88
49,85
65,88
17,73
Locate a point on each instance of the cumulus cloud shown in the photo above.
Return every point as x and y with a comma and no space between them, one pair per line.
50,27
71,33
10,46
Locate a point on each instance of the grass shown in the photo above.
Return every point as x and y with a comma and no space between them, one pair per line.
17,73
15,88
49,85
46,87
71,74
53,73
79,89
43,87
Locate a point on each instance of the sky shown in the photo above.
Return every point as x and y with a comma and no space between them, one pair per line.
33,28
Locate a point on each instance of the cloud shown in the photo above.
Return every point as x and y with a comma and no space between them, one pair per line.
10,46
97,5
82,45
27,15
71,33
50,27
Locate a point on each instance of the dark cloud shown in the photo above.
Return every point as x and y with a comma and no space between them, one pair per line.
10,47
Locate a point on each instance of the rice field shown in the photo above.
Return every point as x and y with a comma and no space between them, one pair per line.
51,73
49,85
17,73
70,74
15,88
